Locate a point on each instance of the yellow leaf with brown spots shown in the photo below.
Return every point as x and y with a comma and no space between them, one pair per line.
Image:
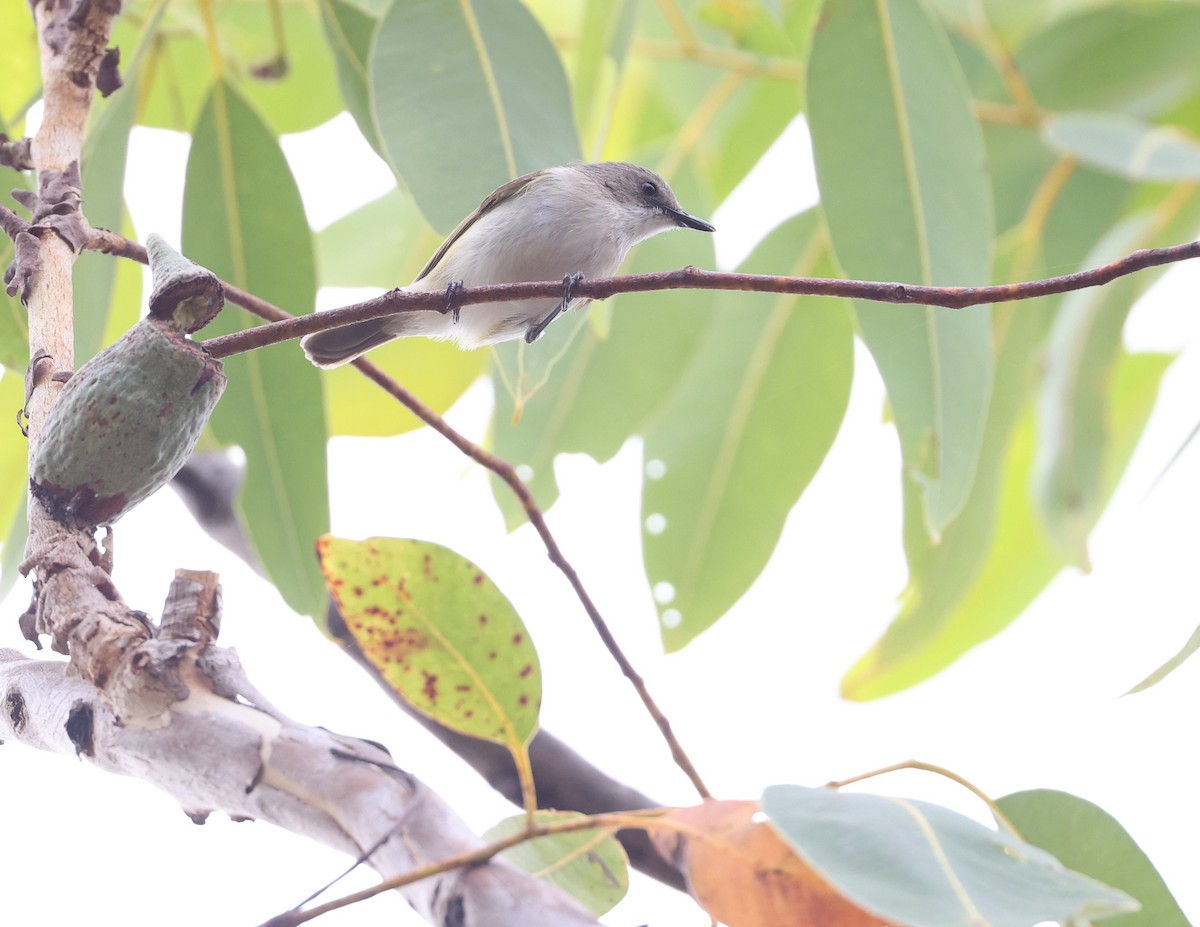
440,632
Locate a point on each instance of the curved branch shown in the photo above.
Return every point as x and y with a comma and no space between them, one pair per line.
692,278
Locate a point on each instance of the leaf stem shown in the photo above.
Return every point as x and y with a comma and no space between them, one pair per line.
999,815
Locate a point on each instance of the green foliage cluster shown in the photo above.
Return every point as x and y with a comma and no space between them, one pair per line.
956,143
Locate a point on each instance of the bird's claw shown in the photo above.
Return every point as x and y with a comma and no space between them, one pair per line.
570,281
453,291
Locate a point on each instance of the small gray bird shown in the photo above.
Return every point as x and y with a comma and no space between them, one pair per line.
560,223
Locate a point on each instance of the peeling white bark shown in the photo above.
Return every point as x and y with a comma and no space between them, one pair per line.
216,753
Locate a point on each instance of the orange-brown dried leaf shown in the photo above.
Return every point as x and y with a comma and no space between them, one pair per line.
745,875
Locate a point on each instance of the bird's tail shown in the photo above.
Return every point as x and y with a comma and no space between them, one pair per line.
337,346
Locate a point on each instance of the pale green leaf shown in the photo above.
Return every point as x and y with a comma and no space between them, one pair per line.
467,96
1087,839
179,74
383,243
922,865
1020,560
439,632
589,865
901,169
249,228
1081,354
1189,648
350,30
1137,59
941,575
1124,145
743,431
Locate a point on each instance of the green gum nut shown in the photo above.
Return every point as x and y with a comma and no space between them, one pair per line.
127,421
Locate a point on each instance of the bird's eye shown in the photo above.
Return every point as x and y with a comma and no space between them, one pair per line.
648,189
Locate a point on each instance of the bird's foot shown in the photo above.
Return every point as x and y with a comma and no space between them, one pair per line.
570,281
453,292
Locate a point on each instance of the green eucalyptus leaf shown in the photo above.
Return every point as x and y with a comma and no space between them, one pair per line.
1081,355
1087,839
901,169
1124,145
1020,560
589,865
1137,59
399,244
930,622
350,30
179,72
243,219
742,433
922,865
467,96
1189,648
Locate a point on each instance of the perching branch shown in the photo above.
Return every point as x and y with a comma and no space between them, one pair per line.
692,278
110,242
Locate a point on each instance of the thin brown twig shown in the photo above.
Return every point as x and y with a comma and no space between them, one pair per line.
112,243
610,821
1000,816
692,278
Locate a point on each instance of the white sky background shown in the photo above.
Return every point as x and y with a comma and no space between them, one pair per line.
754,699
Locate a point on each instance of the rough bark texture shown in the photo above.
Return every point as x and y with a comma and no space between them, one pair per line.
163,702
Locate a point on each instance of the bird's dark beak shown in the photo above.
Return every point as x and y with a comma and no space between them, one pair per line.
683,219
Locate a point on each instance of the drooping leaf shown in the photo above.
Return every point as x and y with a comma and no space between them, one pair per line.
901,169
1124,145
1087,839
243,219
921,637
589,865
440,632
744,430
1189,648
1137,59
1020,561
744,875
467,96
350,29
1081,355
922,865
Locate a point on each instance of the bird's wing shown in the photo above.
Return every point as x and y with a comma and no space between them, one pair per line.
494,199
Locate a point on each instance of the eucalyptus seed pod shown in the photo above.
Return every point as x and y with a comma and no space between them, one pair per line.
128,419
